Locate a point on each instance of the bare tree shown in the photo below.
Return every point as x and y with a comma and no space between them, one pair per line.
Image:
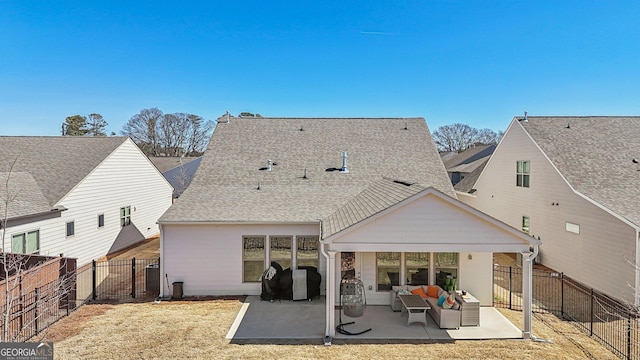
34,287
142,128
176,134
458,137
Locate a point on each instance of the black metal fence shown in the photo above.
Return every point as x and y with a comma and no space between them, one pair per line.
33,311
120,280
614,324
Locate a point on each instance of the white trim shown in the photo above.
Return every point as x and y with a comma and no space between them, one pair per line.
239,222
404,247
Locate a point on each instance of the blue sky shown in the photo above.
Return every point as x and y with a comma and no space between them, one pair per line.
475,62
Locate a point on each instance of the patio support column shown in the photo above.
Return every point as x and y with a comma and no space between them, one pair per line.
526,294
331,294
527,291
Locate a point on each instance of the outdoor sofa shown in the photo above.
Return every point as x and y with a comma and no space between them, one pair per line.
445,318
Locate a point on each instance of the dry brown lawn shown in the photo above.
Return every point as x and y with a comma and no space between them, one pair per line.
197,330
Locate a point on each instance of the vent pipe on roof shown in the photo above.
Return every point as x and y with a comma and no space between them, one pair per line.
269,162
525,117
344,163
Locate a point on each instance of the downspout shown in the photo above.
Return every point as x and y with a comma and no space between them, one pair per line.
162,258
329,292
528,293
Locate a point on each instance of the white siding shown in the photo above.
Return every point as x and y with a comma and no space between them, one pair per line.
597,256
208,258
125,178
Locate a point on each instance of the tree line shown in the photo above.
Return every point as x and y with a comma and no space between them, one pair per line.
155,133
459,137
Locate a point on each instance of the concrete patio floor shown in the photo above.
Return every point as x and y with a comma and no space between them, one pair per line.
303,322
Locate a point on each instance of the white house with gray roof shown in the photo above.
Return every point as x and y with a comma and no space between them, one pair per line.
370,196
83,197
574,182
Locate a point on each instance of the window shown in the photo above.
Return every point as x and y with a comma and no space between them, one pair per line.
26,243
101,220
446,265
522,173
253,256
571,227
307,250
125,216
71,228
280,250
525,224
388,270
417,268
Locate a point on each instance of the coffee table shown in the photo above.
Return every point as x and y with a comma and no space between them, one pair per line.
416,307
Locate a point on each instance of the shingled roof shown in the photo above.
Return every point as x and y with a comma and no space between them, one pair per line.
595,154
234,185
47,168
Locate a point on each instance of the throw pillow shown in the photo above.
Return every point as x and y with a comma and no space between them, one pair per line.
404,292
420,292
432,291
442,299
449,301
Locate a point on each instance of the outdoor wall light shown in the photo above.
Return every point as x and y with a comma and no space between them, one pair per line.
470,257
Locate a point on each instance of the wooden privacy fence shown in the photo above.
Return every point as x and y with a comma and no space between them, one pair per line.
38,291
35,305
616,325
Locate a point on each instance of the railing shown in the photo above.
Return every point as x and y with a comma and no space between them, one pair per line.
119,279
33,310
614,324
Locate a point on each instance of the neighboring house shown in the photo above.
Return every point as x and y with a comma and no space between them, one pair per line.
178,171
463,164
367,195
573,182
84,197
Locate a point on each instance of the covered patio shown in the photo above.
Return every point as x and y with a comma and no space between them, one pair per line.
303,322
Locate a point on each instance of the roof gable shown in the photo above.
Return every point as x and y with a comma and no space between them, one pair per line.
233,184
418,216
595,155
55,164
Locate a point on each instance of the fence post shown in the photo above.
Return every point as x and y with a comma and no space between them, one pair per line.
562,295
510,294
629,334
133,278
591,311
93,280
35,310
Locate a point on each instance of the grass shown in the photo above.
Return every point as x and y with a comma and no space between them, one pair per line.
197,330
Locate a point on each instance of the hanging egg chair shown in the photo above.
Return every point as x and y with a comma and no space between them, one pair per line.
353,301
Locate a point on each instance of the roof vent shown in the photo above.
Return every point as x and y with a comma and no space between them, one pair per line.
269,163
525,117
406,127
344,163
301,127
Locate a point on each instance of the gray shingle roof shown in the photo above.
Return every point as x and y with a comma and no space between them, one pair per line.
466,184
379,196
595,155
47,168
166,163
225,186
468,156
